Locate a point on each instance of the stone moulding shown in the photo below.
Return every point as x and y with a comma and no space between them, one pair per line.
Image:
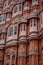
29,37
23,40
21,55
33,53
11,43
33,37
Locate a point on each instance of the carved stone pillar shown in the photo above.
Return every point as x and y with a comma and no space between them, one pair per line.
11,59
22,54
33,52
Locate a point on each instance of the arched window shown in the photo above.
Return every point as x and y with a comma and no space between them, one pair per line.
23,27
7,3
10,32
7,15
20,7
8,57
13,57
33,22
41,17
3,17
34,2
2,36
15,30
26,4
17,8
0,18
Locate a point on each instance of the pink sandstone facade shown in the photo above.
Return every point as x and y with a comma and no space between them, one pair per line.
21,32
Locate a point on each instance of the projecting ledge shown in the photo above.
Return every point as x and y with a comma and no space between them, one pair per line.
11,43
23,40
36,36
33,53
22,55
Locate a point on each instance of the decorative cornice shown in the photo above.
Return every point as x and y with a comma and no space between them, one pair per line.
29,37
33,36
21,55
11,43
23,41
22,36
33,53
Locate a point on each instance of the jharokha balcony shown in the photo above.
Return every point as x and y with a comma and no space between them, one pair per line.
21,32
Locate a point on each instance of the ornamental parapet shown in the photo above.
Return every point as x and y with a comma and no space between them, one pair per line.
12,43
